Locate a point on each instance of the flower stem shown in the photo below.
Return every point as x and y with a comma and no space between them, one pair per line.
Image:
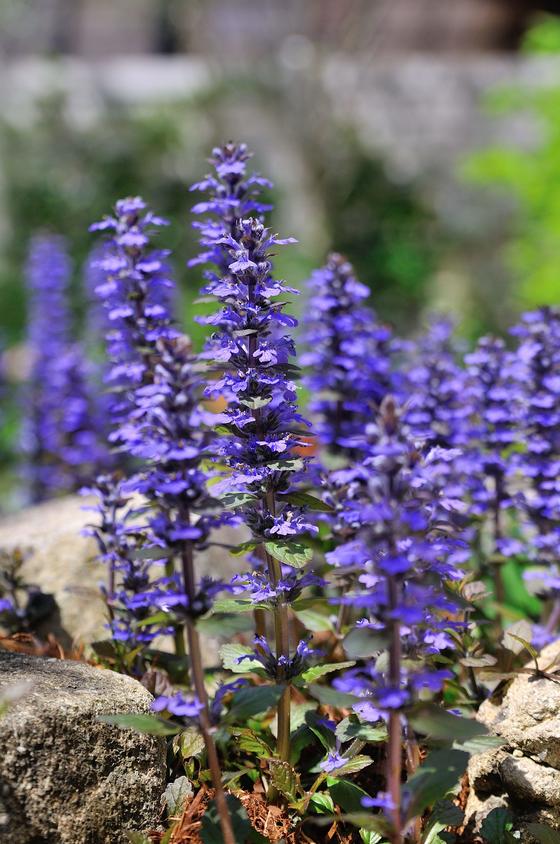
497,567
394,749
197,673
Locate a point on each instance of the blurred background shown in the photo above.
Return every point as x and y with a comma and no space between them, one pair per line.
420,138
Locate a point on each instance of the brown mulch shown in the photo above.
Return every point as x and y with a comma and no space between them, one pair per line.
273,822
26,643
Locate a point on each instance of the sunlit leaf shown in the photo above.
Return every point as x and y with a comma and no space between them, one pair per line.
438,774
142,723
230,654
317,671
294,554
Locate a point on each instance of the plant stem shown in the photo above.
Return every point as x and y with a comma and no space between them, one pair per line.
394,749
282,636
497,567
197,673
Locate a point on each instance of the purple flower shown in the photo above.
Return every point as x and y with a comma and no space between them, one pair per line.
178,704
401,539
538,357
333,762
350,356
63,434
381,801
252,352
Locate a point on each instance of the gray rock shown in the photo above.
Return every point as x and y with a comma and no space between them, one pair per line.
524,779
63,562
528,714
524,775
65,777
479,807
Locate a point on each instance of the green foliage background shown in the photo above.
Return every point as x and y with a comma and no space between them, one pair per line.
528,179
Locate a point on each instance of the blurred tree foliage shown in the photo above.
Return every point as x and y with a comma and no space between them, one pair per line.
60,176
60,172
381,226
529,178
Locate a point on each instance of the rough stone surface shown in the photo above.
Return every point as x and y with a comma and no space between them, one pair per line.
524,774
527,780
528,715
65,777
63,563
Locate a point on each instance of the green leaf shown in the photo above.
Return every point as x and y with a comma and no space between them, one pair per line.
253,700
189,743
436,723
314,620
320,670
478,661
368,836
479,744
294,554
354,765
151,553
285,779
364,820
496,825
157,618
233,605
347,795
332,697
231,652
294,464
251,742
256,403
233,500
447,813
434,779
303,499
137,837
104,648
243,832
176,795
351,728
516,636
362,642
225,625
243,548
322,802
142,723
544,834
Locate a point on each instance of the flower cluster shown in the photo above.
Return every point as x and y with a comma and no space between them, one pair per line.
538,386
123,547
404,546
251,352
350,356
134,287
63,434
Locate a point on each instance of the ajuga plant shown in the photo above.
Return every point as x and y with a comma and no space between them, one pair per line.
538,385
161,426
251,351
350,357
62,435
492,395
363,654
404,545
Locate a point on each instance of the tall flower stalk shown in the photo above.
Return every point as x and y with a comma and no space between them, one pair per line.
404,546
161,425
63,433
250,352
350,357
539,357
493,397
